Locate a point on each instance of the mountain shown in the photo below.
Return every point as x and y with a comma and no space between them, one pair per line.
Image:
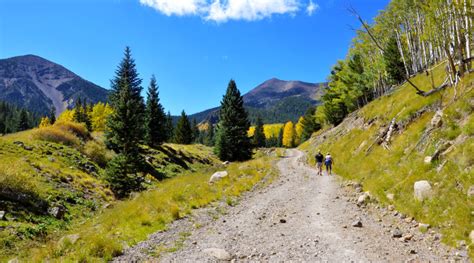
37,84
275,101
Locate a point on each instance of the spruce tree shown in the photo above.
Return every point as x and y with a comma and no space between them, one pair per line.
85,115
169,128
209,140
52,115
258,139
23,123
280,138
125,128
196,132
310,124
232,141
393,61
155,124
183,133
78,115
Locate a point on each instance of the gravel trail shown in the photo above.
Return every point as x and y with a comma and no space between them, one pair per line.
301,217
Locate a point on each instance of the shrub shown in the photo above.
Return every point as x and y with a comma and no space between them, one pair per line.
78,129
53,134
97,152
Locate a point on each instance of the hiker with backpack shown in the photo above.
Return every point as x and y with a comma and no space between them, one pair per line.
319,162
328,162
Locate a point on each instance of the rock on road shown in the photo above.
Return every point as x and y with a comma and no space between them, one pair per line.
299,217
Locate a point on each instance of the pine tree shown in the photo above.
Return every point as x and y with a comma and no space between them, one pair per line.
183,133
78,115
393,61
86,115
169,128
125,128
155,124
52,115
309,124
23,123
258,139
232,142
195,129
209,140
280,138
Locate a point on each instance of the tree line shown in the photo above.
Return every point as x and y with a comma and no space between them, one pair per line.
407,38
15,119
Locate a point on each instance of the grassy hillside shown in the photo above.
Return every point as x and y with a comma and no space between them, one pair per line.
51,185
394,170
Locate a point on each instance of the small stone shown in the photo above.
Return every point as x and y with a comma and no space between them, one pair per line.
470,191
218,253
344,226
471,236
28,148
357,223
14,260
422,190
57,211
412,251
428,159
397,233
391,207
423,227
390,196
218,176
407,237
194,242
2,215
363,199
408,219
283,221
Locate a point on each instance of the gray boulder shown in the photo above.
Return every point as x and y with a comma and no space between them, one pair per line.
363,199
422,190
218,176
57,211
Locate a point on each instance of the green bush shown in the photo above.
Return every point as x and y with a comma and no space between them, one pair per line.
97,152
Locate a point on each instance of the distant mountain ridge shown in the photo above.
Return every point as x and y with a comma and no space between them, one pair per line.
275,101
37,84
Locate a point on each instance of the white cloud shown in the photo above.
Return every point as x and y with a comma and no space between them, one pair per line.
176,7
249,9
224,10
311,8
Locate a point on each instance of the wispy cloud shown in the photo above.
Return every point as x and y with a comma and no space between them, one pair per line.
225,10
311,8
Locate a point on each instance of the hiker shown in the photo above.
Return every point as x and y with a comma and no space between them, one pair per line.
328,162
319,162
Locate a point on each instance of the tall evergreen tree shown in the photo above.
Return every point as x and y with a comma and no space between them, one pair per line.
393,61
155,124
52,115
232,141
258,139
86,115
125,128
78,114
169,128
280,138
23,123
183,133
310,124
209,140
195,129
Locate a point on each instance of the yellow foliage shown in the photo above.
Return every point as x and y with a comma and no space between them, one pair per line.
298,131
288,135
270,130
99,115
66,116
45,122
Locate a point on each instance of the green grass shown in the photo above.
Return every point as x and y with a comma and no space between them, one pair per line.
50,172
131,221
395,170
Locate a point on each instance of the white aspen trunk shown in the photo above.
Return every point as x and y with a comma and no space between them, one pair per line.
400,48
468,29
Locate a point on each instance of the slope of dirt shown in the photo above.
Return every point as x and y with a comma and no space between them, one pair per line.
300,217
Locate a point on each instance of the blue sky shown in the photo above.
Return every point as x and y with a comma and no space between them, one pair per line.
192,46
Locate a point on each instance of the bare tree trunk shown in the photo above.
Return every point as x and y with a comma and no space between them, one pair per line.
399,43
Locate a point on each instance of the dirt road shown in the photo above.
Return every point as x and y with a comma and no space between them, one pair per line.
300,217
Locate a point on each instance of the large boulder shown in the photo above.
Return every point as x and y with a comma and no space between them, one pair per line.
218,253
422,190
218,176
